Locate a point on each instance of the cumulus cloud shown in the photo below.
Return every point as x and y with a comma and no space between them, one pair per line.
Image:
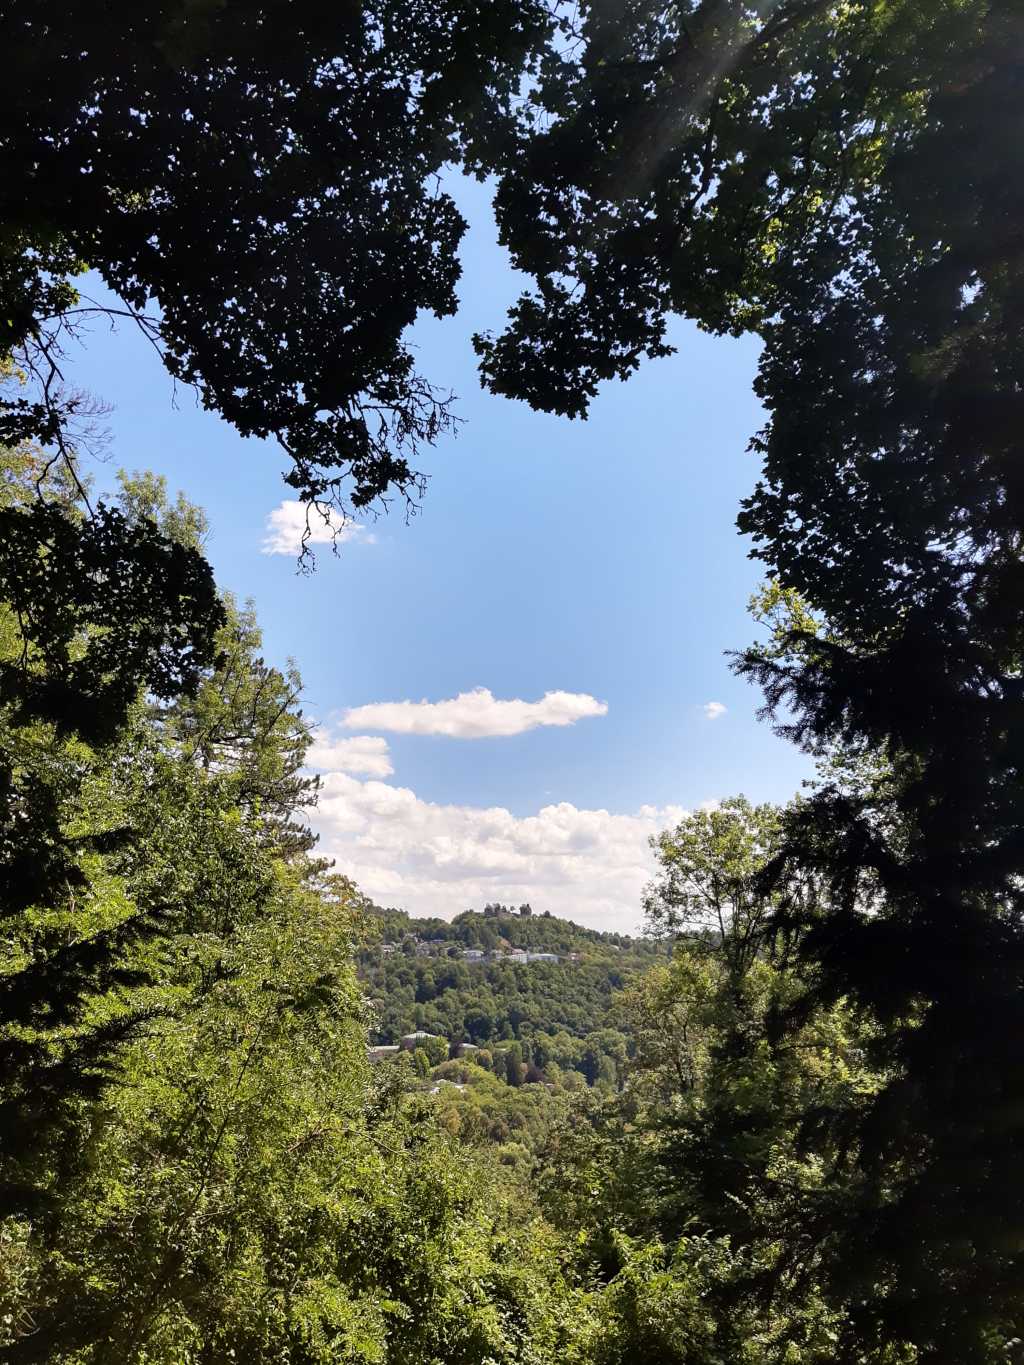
431,859
287,522
714,709
354,754
474,715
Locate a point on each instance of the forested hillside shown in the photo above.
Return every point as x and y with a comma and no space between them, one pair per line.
498,926
419,977
502,1044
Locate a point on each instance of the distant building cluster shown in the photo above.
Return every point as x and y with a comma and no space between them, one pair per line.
442,947
380,1052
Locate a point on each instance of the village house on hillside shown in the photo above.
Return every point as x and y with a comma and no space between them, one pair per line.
412,1040
382,1052
451,1085
524,955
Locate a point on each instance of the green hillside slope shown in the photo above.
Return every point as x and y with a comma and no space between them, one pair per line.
419,976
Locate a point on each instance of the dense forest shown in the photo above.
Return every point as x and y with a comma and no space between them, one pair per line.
786,1125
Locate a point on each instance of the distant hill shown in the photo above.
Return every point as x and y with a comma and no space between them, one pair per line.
416,974
495,925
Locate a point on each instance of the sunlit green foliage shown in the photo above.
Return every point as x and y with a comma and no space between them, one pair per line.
199,1162
709,1195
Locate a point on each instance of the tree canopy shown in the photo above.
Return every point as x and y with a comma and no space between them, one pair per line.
259,186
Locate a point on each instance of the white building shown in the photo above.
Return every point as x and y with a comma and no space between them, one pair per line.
412,1040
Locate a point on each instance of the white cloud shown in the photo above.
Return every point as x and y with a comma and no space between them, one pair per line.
358,754
287,522
474,715
714,709
587,865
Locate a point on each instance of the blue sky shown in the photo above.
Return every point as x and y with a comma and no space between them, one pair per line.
597,558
